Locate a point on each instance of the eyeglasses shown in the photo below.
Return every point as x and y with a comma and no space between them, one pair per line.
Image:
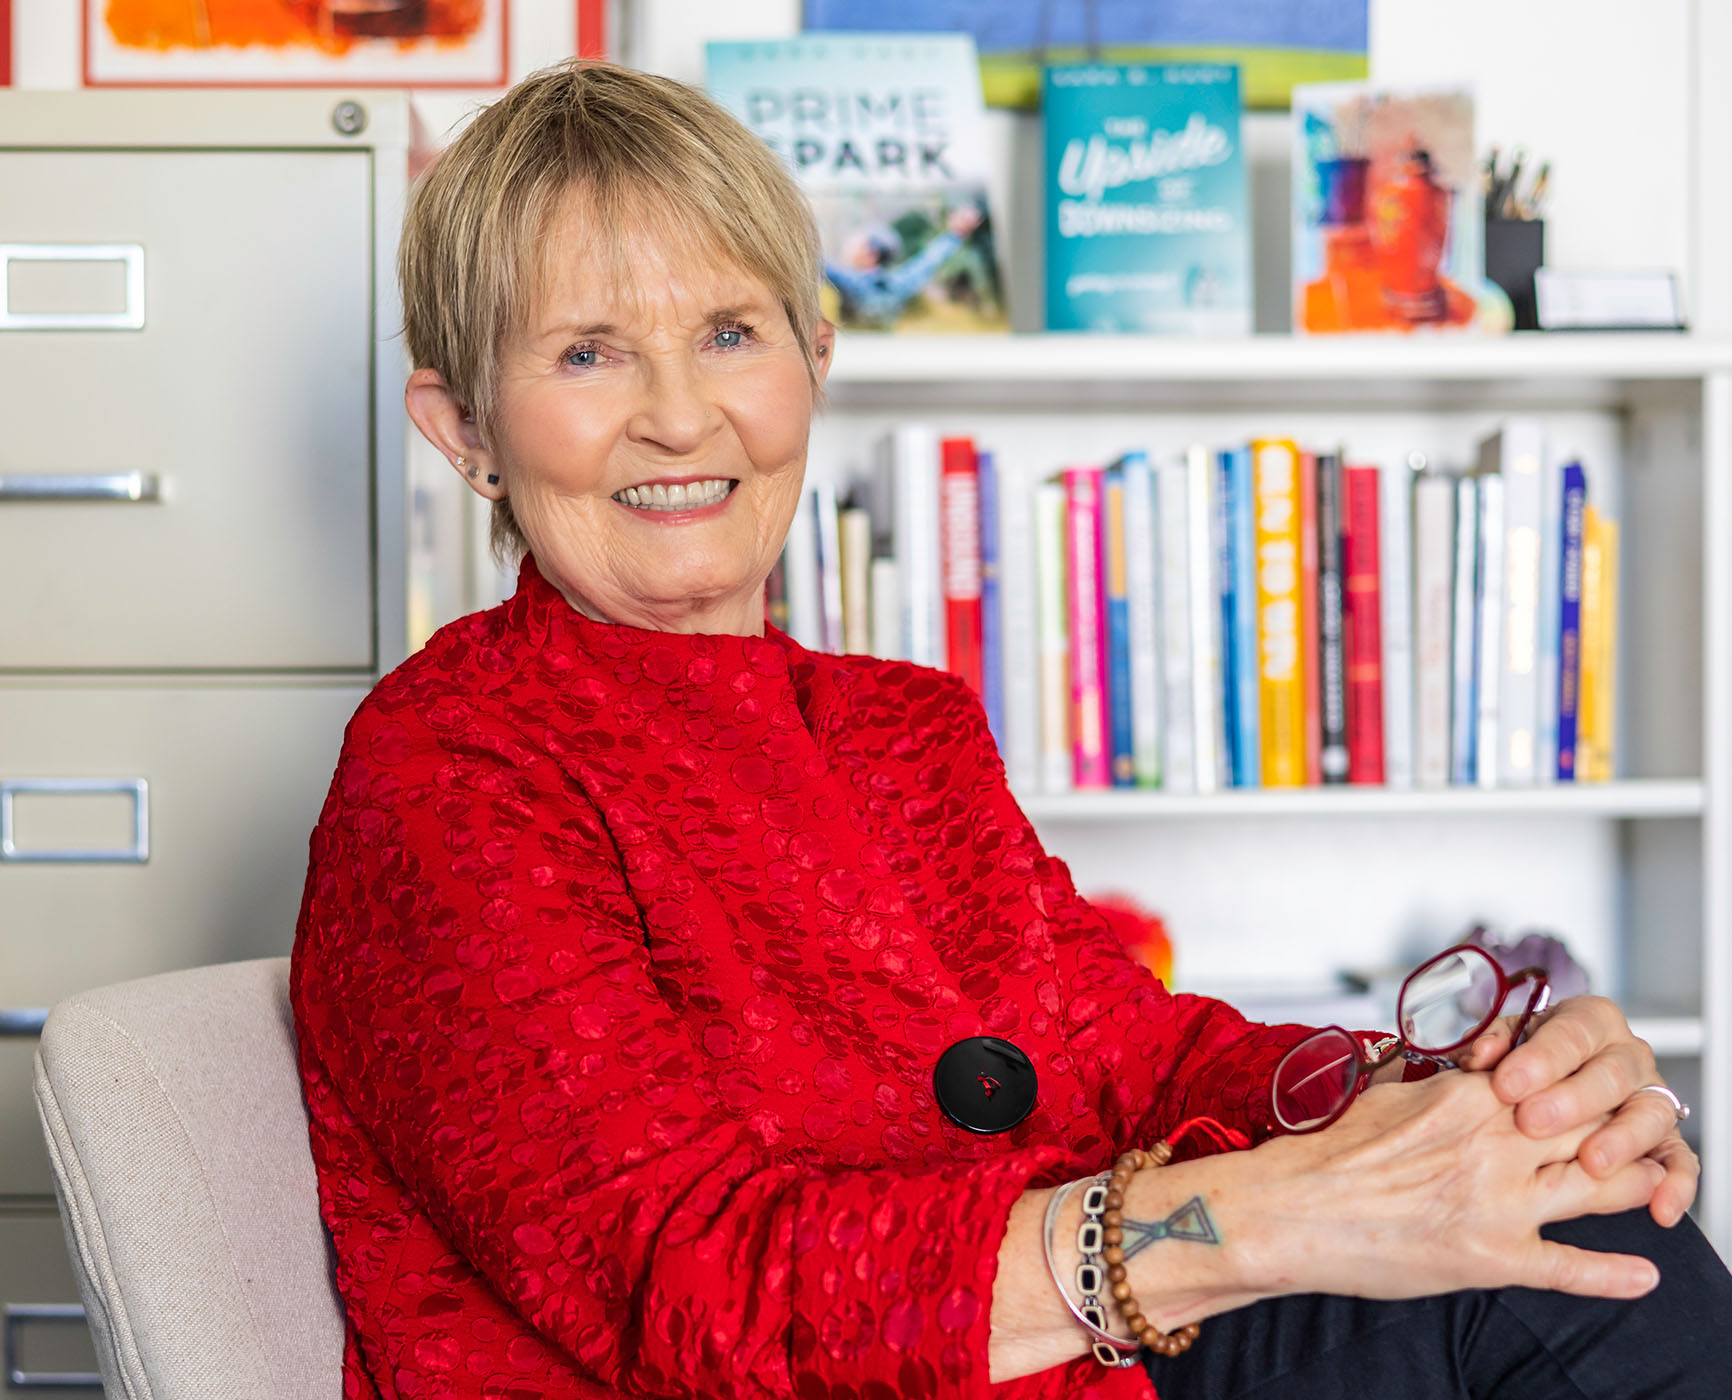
1444,1004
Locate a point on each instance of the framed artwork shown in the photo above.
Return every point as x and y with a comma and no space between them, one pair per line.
295,43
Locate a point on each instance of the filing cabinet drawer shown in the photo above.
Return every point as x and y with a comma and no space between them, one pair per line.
47,1347
186,344
234,779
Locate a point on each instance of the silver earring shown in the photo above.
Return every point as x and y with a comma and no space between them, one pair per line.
472,472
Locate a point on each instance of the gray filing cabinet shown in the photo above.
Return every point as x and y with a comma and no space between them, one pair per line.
202,497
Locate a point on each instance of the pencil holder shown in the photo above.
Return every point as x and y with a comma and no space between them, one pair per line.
1515,249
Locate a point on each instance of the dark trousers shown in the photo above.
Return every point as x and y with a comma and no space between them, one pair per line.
1674,1344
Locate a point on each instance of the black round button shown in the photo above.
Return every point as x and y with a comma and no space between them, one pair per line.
984,1084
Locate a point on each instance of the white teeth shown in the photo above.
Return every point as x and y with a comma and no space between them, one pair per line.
681,496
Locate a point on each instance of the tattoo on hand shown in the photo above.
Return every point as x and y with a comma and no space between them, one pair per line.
1190,1221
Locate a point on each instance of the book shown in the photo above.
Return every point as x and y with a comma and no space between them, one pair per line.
1050,521
1239,617
1592,646
1090,721
854,535
1433,577
829,538
1464,652
1516,452
1308,622
889,141
1395,550
1606,688
1019,635
1143,616
906,506
886,592
1221,569
776,593
1121,756
991,607
1489,618
1148,208
800,568
1362,622
1548,621
1573,489
1173,514
1201,553
959,553
1331,604
1280,660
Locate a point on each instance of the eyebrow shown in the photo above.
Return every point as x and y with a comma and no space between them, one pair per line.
580,332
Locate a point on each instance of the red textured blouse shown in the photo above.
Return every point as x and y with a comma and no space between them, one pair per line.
624,962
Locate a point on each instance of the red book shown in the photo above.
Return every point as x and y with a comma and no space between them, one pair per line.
1085,580
1362,625
1308,615
959,552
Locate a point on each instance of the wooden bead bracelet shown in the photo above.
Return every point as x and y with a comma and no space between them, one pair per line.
1113,1254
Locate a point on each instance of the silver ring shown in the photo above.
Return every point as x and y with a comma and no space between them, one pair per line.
1679,1107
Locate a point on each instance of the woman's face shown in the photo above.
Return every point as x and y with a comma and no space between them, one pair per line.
651,433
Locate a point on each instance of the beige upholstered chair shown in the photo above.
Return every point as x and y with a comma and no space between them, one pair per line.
178,1135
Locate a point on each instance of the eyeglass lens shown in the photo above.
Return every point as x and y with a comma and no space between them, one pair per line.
1450,999
1315,1079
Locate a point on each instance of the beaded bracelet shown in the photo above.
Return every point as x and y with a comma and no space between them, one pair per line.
1113,1236
1108,1349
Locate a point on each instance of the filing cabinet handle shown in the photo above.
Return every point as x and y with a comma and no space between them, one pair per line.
19,1313
22,1020
129,318
121,486
137,788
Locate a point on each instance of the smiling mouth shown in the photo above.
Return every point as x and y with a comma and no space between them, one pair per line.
691,495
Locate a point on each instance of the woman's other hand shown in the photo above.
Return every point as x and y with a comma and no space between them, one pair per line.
1581,1063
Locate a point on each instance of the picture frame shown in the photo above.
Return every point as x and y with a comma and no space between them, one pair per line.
297,43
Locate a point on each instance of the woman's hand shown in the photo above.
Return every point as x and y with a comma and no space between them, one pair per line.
1578,1065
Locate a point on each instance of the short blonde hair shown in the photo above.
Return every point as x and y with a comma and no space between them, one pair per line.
640,150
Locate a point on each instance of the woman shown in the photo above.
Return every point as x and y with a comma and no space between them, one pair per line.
634,932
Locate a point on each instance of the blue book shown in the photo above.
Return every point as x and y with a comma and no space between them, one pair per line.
991,606
1226,589
1575,500
1148,214
1123,750
1244,697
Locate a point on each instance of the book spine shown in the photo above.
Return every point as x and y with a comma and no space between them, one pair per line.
829,530
1464,658
1201,554
800,558
854,535
1050,509
959,501
1090,722
1606,692
1395,546
1280,660
991,602
776,592
1019,633
914,464
1144,602
886,589
1178,766
1244,696
1573,492
1522,449
1332,686
1122,758
1593,623
1308,600
1362,624
1489,652
1226,588
1433,558
1546,622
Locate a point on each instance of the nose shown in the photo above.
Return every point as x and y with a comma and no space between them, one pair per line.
675,414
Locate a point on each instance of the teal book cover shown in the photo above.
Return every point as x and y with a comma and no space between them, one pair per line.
1147,210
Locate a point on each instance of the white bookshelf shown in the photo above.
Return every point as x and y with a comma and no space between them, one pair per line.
1264,885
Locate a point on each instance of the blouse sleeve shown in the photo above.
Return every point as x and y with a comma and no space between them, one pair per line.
1157,1057
473,981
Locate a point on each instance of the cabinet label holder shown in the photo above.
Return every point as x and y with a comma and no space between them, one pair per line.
129,318
17,1314
136,854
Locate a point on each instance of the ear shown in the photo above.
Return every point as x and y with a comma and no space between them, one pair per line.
824,347
449,426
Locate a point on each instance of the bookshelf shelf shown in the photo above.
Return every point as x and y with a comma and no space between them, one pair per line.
1677,1036
1629,799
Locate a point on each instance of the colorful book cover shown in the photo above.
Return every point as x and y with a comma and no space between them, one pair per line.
1207,706
1173,512
959,554
1464,627
1051,509
1239,619
1362,623
1020,631
1122,749
1148,213
1488,653
1143,605
1308,615
1395,547
991,609
1433,569
1574,492
1606,689
1331,610
1592,628
1090,721
887,135
1280,669
1517,452
1388,232
1226,586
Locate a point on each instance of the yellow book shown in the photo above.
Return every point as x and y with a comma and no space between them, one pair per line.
1280,652
1593,625
1606,682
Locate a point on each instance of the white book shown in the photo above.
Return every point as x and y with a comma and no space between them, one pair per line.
1018,644
1433,569
854,532
1463,709
886,594
1395,568
1546,631
1207,717
829,536
908,469
1142,605
800,570
1517,453
1051,511
1488,747
1172,513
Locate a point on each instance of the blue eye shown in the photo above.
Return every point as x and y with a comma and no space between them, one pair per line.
732,337
576,356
